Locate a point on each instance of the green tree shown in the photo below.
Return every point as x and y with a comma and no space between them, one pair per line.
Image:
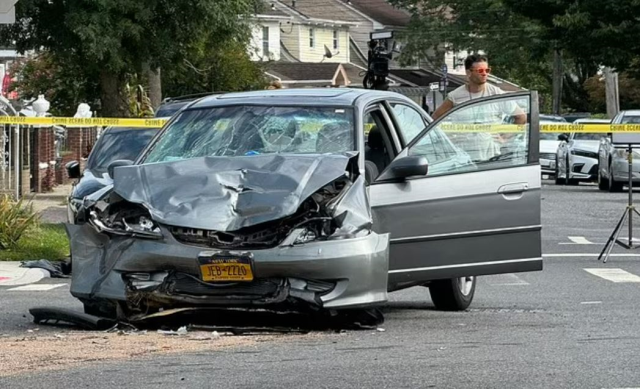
114,38
520,37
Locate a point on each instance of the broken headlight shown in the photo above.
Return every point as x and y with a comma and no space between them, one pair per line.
134,222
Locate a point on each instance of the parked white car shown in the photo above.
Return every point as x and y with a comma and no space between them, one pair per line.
613,171
577,158
548,148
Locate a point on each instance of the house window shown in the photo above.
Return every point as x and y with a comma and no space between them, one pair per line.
265,41
312,37
336,41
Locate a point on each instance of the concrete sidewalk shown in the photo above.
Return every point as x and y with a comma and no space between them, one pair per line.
52,205
12,274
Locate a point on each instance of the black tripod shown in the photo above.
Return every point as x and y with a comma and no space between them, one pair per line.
628,214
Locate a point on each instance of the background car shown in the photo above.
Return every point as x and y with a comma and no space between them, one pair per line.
577,157
552,118
613,171
114,143
549,142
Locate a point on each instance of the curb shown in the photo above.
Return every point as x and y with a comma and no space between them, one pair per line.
12,274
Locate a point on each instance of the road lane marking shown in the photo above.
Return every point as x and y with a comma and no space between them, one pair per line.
508,279
36,288
591,302
573,255
579,240
615,275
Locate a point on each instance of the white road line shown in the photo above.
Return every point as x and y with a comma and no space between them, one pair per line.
36,288
509,279
615,275
579,240
574,255
591,302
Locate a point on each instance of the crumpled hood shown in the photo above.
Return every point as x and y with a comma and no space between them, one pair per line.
226,194
549,146
587,145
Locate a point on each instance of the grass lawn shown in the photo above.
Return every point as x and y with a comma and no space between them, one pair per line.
47,241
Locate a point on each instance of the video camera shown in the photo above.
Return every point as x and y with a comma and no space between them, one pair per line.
381,48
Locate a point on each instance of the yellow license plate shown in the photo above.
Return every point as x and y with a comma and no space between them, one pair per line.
226,272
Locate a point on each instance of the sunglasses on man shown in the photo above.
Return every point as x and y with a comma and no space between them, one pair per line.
482,71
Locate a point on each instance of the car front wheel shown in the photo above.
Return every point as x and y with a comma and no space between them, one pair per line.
453,294
614,186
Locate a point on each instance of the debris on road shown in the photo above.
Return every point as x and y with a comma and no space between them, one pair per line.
57,269
46,315
181,331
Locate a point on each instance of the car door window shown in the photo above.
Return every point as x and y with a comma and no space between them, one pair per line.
410,122
377,155
479,136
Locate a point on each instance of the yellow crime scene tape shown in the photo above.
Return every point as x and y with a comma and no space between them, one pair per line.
448,127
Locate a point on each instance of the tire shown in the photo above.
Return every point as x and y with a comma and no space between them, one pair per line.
559,181
453,294
614,186
603,184
569,181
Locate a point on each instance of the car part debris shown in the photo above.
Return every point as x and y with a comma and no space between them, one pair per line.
89,322
57,269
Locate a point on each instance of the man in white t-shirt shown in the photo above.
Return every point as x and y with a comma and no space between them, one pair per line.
477,87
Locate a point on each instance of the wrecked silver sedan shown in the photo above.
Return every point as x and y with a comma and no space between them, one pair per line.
321,199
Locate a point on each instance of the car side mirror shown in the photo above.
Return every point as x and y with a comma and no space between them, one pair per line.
415,165
73,169
118,163
563,137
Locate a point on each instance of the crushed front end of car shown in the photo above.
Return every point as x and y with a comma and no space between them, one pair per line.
255,231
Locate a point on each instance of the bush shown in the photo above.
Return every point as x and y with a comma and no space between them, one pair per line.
15,219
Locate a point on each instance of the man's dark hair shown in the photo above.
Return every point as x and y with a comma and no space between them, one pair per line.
473,58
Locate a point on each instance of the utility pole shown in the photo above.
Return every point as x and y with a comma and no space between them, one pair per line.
558,74
612,93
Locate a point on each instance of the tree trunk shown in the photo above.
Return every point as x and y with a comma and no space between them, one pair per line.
612,95
558,73
113,95
155,88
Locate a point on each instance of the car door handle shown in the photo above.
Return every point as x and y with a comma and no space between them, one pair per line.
513,188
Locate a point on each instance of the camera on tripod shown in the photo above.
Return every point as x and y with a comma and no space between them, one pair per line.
382,45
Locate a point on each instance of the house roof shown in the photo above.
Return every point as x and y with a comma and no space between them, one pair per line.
317,74
268,10
423,77
382,12
329,10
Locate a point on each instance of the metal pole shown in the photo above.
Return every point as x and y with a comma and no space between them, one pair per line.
16,160
630,208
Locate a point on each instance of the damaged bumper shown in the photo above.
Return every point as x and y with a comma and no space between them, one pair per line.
147,274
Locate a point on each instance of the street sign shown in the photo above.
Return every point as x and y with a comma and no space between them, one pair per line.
442,85
445,69
434,86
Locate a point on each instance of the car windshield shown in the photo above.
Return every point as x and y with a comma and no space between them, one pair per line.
252,130
587,136
631,120
118,143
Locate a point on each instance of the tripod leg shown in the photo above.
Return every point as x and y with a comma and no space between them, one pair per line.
615,239
614,235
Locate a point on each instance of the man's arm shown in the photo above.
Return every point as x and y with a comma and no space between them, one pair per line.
442,109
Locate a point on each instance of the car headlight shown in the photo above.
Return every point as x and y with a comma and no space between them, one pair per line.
140,227
582,153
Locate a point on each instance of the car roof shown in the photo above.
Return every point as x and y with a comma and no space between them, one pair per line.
631,112
301,96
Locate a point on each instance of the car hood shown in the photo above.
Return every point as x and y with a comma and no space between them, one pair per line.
586,145
549,146
227,194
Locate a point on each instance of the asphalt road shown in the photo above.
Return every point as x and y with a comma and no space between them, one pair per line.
571,325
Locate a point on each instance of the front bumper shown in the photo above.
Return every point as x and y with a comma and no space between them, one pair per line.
164,273
584,168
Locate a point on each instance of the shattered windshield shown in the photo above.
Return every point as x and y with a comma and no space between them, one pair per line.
254,130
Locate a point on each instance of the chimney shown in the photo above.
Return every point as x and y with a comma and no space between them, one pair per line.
293,3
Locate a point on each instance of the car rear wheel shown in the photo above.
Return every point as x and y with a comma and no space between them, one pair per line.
454,294
603,184
613,185
568,180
